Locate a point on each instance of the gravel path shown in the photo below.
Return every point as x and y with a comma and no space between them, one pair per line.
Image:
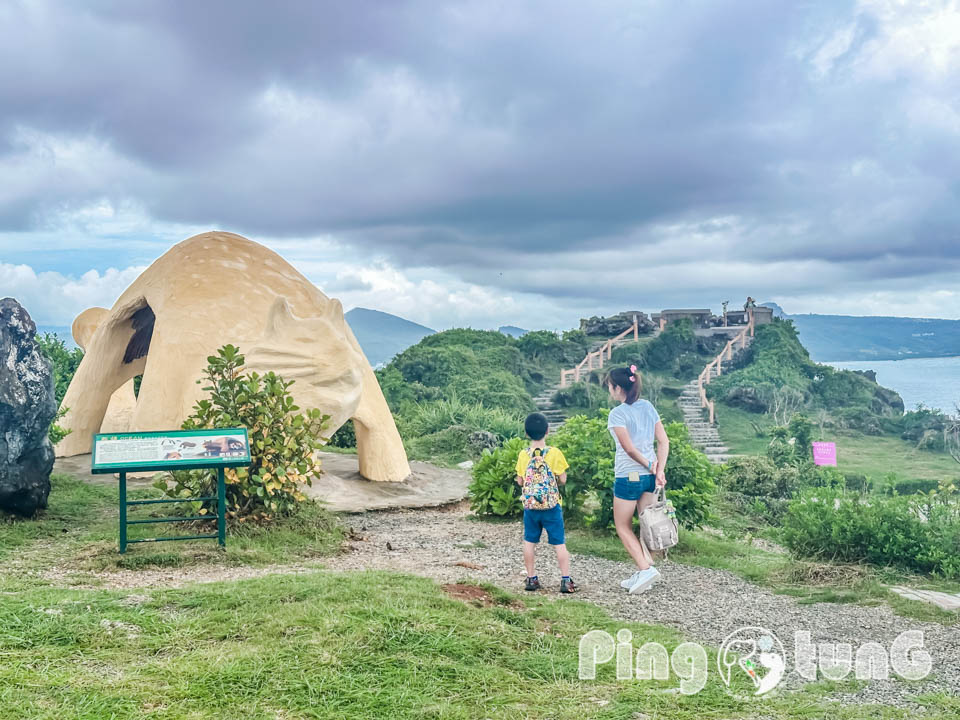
706,605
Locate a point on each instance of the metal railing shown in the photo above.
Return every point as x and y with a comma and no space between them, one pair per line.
605,350
726,354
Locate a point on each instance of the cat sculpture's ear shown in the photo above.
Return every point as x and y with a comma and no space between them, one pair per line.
281,315
334,312
86,325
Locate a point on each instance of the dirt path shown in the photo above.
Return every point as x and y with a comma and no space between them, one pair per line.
706,605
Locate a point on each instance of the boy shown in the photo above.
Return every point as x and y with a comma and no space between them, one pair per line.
539,468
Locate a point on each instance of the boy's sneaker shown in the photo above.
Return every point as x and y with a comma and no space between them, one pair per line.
645,578
628,583
532,584
567,586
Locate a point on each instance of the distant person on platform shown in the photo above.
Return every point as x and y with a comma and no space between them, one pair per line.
749,304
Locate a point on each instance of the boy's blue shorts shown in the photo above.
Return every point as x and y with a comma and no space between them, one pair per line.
626,490
536,521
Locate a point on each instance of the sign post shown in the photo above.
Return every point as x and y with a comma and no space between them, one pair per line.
175,450
825,453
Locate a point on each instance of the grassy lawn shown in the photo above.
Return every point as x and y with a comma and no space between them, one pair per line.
322,644
79,532
857,453
335,645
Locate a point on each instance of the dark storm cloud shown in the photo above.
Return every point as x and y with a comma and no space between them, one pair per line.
480,135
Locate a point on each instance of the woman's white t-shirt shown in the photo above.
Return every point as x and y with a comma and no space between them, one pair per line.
640,420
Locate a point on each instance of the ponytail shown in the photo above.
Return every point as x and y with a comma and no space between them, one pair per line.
627,379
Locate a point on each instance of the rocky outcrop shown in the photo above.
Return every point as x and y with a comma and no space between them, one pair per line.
27,407
616,324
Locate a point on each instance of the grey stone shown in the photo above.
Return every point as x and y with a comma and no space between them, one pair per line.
480,440
27,407
616,324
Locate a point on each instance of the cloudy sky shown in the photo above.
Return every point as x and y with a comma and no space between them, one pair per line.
484,163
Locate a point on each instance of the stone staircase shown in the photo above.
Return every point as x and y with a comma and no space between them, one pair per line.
555,416
703,434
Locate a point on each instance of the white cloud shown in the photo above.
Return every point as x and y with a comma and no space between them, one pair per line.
55,299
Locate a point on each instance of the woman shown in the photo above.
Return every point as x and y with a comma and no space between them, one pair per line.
635,424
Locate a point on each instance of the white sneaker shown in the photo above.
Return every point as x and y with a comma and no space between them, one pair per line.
628,583
645,579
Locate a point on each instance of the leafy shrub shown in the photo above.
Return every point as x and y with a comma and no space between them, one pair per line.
282,441
432,417
589,448
792,445
911,532
630,354
678,338
345,437
759,476
582,395
64,362
450,445
690,478
493,490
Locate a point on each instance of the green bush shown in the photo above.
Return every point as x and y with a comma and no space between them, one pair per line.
345,437
759,477
432,417
64,362
282,441
493,490
589,449
678,338
690,478
583,396
910,532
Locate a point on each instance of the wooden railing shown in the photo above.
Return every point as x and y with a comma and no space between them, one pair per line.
717,362
587,364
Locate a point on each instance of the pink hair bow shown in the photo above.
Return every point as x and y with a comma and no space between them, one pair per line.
633,375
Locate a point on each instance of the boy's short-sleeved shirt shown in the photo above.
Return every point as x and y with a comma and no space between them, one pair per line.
640,419
554,459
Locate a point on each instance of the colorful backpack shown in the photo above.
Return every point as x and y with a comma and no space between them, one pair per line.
540,491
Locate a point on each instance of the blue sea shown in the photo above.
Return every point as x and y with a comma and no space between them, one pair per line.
934,382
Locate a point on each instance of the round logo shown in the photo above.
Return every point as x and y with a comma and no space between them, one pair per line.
758,654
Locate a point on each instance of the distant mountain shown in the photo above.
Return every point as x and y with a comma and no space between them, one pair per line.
513,331
382,335
836,338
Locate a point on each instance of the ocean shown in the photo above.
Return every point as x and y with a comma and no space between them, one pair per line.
934,382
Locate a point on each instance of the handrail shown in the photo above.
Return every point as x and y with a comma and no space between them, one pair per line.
606,348
707,373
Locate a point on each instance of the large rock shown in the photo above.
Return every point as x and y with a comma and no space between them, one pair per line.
27,407
616,324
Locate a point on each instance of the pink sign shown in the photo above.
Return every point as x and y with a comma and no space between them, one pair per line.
824,453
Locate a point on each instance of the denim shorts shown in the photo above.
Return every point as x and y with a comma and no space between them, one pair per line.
626,490
536,521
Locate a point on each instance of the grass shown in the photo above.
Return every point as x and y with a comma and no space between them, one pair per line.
808,582
79,530
335,645
873,456
322,644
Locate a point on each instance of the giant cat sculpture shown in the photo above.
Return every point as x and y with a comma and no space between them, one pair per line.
208,291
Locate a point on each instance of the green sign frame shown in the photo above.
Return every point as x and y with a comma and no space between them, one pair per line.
174,450
150,456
